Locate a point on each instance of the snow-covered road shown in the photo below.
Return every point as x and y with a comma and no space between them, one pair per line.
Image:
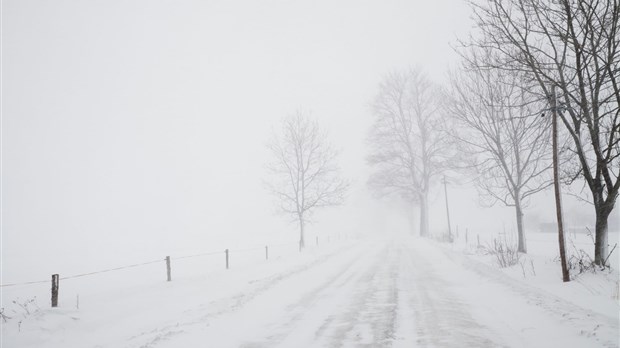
402,293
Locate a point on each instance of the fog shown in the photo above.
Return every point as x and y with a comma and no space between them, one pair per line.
140,127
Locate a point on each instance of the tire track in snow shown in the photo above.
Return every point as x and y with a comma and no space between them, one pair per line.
440,318
356,306
370,319
312,304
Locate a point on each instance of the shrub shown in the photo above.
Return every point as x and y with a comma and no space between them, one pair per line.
506,255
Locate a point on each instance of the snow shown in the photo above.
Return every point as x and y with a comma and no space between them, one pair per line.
399,292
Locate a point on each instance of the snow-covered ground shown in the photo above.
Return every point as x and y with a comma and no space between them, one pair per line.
399,292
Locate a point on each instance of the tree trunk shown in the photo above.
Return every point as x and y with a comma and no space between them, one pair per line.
423,215
600,246
600,232
302,241
522,246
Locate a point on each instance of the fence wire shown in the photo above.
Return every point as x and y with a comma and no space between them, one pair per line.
147,263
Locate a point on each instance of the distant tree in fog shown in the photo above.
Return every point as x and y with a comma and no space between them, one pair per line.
501,134
409,147
304,172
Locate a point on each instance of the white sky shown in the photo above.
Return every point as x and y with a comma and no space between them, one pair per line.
138,127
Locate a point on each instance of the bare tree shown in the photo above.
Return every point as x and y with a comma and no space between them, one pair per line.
408,146
573,46
502,134
304,173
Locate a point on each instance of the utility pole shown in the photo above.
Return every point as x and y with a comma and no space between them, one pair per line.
445,188
556,185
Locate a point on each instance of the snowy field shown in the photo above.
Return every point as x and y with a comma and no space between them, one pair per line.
401,292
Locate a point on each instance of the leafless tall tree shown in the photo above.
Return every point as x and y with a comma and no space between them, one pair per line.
502,134
304,172
408,146
574,46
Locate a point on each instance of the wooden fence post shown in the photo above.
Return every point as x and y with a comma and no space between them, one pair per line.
55,281
266,252
478,236
226,251
168,270
466,230
317,240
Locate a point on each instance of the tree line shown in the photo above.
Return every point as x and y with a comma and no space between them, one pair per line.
526,61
